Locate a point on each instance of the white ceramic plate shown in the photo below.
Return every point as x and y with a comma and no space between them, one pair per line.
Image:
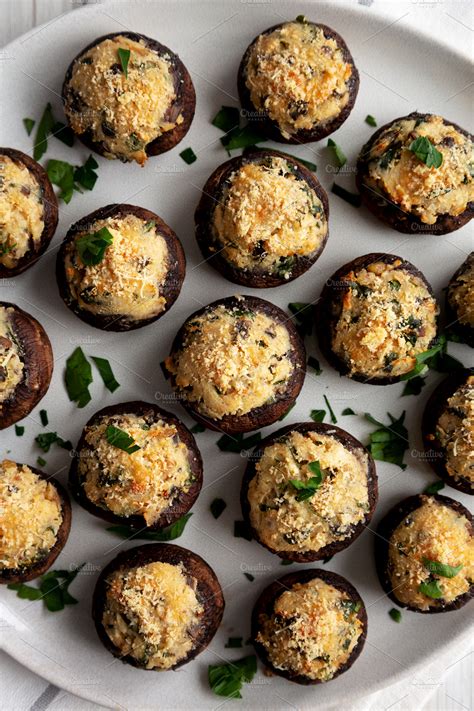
400,72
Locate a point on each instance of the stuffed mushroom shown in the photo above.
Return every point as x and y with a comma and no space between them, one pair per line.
26,363
127,96
310,626
375,315
238,364
297,81
262,219
309,491
416,174
138,465
448,430
157,606
460,302
424,554
120,268
28,212
35,519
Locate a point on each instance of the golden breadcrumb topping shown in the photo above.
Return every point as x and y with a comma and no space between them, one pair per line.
287,522
313,630
150,613
387,317
21,212
30,516
425,192
298,77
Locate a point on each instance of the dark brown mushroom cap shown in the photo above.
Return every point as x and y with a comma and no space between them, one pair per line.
22,575
208,592
265,605
385,530
382,206
183,501
170,289
211,249
270,128
436,405
463,330
37,357
184,103
50,213
350,443
328,310
265,414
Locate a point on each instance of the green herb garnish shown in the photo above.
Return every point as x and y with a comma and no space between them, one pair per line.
286,412
241,530
70,177
331,411
234,642
46,439
53,589
63,133
389,442
169,533
105,370
44,418
443,569
413,386
188,155
370,120
315,365
41,462
237,443
78,378
241,138
197,428
124,56
19,430
227,679
92,247
29,125
395,614
426,152
337,152
250,577
227,118
120,439
286,562
348,411
304,317
45,127
217,507
434,487
85,175
436,358
431,589
306,489
317,415
352,198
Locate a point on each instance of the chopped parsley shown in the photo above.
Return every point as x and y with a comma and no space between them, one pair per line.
105,370
317,415
19,430
395,614
197,428
370,120
331,411
169,533
348,411
124,56
41,462
434,487
436,358
227,679
234,642
426,152
46,439
44,418
286,562
315,365
304,317
431,589
227,118
413,386
70,177
188,155
63,133
92,247
53,589
217,507
306,489
29,125
250,577
78,378
120,439
237,443
241,530
45,127
286,412
388,443
442,569
337,152
352,198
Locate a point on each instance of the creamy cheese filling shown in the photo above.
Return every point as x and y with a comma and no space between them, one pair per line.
298,77
267,217
455,432
387,317
434,532
285,523
123,113
30,516
313,630
150,613
461,293
424,192
11,358
232,361
129,279
21,212
146,482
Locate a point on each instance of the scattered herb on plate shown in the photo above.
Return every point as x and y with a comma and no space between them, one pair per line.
44,418
238,443
169,533
241,530
337,152
188,155
413,386
46,439
317,415
19,430
53,589
197,428
353,199
227,118
41,462
29,125
388,443
45,127
331,411
227,679
70,177
217,507
395,614
78,378
234,642
348,411
106,373
434,487
370,120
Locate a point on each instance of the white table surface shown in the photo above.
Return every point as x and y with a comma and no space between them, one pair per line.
446,685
